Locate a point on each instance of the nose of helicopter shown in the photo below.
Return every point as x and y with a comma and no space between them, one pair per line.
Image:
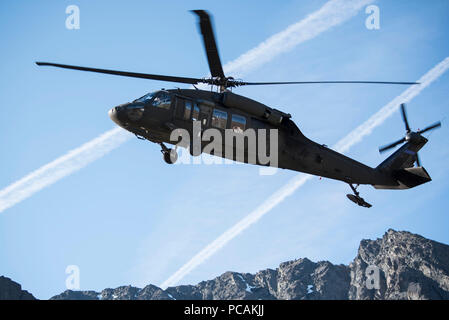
125,113
118,114
113,114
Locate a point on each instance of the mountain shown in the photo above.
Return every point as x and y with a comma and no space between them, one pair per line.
411,267
400,265
10,290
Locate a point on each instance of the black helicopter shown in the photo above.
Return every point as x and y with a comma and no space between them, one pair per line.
155,115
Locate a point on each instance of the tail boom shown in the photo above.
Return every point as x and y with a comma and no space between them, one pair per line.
399,167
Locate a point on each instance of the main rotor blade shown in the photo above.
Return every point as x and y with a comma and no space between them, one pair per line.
433,126
210,45
391,145
126,74
404,117
243,83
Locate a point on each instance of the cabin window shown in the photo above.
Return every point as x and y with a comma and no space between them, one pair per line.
238,123
195,113
219,119
162,100
205,113
187,110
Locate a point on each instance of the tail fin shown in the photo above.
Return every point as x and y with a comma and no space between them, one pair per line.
399,166
398,169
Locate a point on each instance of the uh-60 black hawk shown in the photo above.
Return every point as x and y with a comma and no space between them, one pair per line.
155,115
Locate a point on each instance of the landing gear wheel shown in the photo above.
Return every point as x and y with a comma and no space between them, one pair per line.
356,198
170,156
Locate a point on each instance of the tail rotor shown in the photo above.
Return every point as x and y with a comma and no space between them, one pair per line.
409,134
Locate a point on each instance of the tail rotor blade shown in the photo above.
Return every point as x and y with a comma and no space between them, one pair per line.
391,145
404,117
431,127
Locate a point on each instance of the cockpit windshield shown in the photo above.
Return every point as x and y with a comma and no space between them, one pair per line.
146,97
160,99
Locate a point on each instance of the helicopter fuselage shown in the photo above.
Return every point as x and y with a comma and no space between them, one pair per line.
207,116
156,115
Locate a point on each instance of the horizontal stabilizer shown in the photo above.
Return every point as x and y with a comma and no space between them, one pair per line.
412,177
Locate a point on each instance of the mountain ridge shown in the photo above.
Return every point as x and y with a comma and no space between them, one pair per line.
399,266
10,290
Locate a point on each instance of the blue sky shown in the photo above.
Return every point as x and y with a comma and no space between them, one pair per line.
129,218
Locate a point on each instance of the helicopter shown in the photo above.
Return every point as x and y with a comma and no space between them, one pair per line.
156,115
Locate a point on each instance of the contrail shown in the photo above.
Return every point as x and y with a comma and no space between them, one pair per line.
378,118
63,166
343,145
331,14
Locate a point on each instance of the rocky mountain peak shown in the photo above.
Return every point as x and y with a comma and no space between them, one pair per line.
10,290
400,265
409,267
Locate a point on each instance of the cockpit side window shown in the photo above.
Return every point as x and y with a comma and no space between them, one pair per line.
162,100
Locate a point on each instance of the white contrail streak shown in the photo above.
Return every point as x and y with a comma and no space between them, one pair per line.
367,127
331,14
63,166
343,145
